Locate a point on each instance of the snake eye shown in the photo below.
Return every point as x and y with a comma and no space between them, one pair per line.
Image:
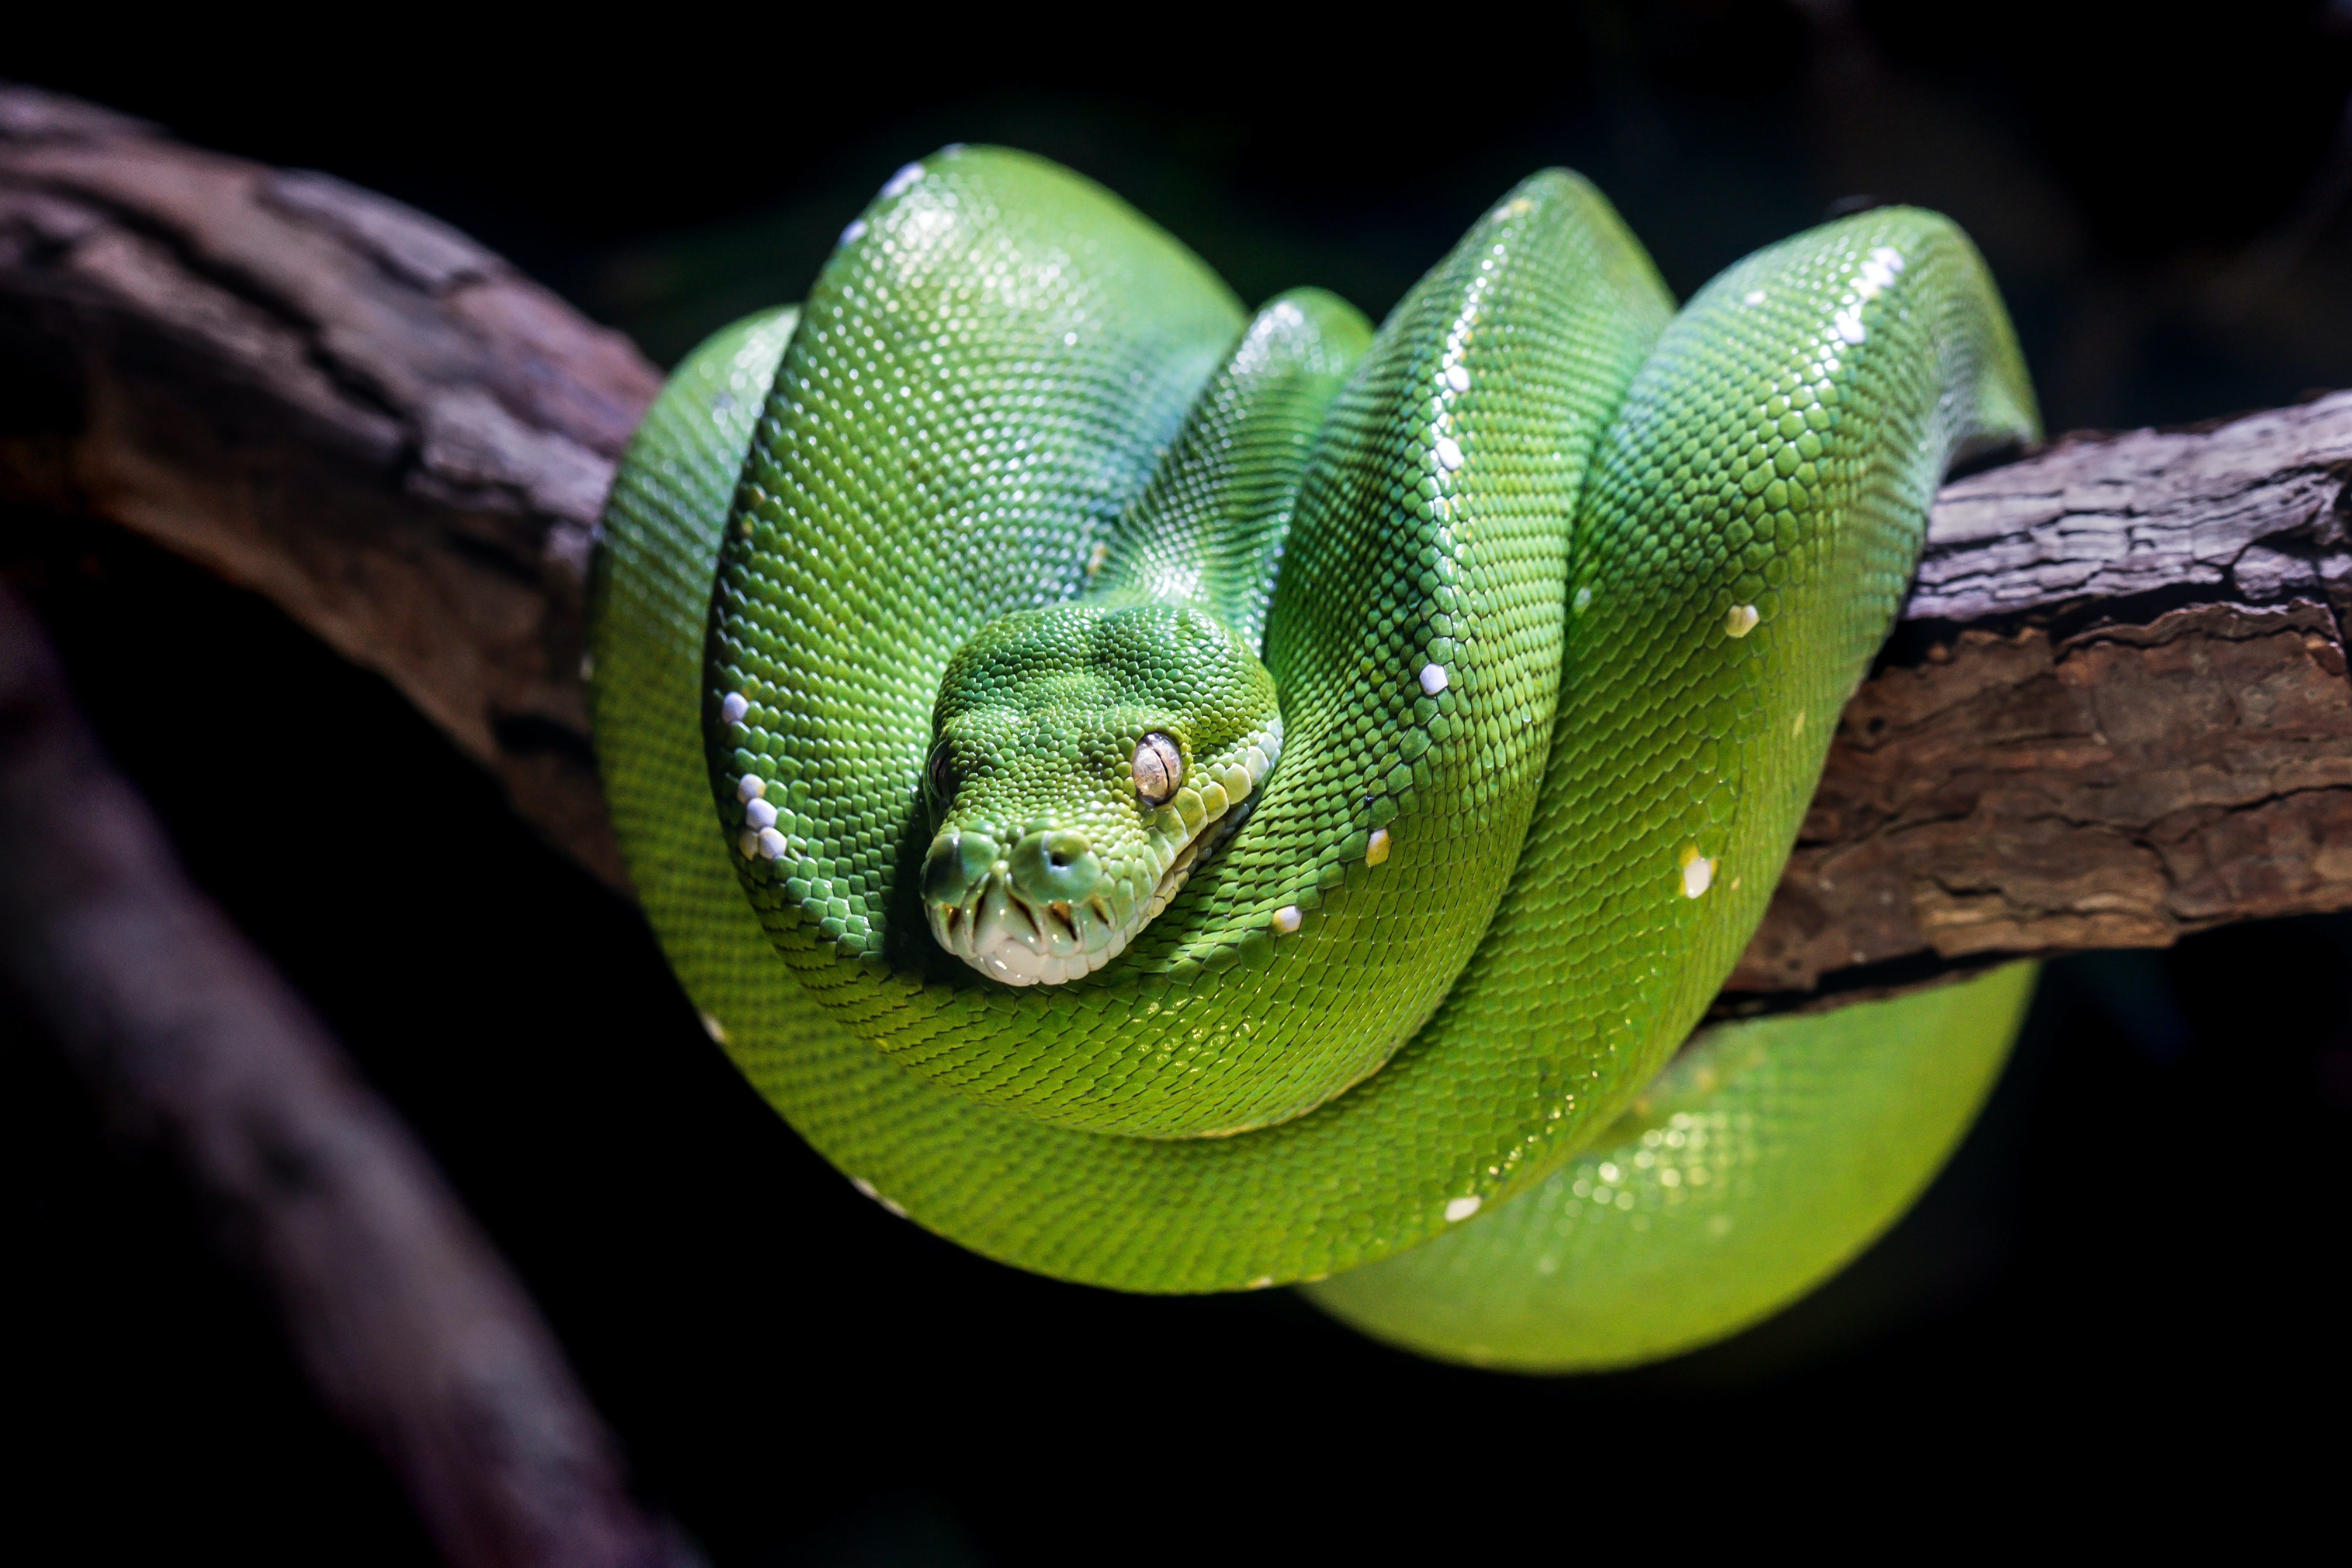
1158,767
940,775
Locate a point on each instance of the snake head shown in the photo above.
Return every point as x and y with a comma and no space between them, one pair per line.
1084,759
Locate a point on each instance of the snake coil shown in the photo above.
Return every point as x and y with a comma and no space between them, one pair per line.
1206,801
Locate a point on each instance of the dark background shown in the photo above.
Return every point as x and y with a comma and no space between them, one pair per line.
2125,1275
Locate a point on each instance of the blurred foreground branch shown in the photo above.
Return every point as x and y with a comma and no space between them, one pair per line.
2116,711
404,1318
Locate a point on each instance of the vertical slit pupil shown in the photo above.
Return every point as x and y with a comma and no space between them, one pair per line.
1157,765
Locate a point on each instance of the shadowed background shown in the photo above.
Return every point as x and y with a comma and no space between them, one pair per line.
2126,1258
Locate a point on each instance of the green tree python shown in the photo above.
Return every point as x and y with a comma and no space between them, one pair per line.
1180,800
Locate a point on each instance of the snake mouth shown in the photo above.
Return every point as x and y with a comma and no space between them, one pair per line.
997,908
1026,940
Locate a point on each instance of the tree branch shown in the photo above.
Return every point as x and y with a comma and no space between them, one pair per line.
2116,710
326,397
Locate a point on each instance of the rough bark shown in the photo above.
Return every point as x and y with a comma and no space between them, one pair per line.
2116,710
330,398
409,1325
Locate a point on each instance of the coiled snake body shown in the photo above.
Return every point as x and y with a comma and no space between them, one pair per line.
1207,801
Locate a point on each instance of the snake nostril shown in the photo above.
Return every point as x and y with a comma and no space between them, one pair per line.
974,856
1056,865
956,863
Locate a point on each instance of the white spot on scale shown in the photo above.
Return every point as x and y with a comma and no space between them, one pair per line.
855,232
1457,378
1432,680
1741,620
1698,875
748,841
901,180
1848,326
733,707
1583,598
1449,454
771,843
1287,918
1753,297
750,787
1459,1209
759,814
868,1189
714,1028
1260,1283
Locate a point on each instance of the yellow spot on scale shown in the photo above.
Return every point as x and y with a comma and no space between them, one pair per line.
1459,1209
1799,727
1741,620
1376,850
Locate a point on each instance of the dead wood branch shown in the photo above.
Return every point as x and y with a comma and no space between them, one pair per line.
2116,710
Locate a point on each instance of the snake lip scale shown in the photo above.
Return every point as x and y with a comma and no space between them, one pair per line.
1210,799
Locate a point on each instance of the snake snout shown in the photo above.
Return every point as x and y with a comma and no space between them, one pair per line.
1040,913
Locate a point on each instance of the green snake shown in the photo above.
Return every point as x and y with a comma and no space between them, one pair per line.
1182,800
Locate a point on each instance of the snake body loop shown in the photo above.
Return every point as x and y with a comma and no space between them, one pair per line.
1206,801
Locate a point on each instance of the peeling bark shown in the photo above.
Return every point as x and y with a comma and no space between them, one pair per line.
2114,711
